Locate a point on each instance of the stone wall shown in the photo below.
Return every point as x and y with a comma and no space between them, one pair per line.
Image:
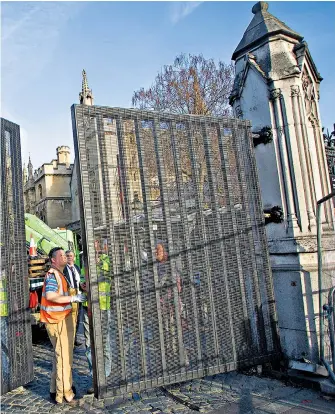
47,192
58,212
277,86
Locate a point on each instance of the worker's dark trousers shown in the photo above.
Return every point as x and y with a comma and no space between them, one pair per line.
79,317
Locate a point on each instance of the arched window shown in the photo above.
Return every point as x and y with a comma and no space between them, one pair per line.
40,191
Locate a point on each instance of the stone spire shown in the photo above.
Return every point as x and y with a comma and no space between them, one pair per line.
263,26
86,95
276,87
30,169
24,174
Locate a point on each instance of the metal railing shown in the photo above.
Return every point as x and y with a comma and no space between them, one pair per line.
328,309
329,314
172,204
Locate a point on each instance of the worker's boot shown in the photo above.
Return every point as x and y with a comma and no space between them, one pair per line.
90,391
53,394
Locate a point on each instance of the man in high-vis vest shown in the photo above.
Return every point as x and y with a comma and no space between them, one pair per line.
56,314
104,288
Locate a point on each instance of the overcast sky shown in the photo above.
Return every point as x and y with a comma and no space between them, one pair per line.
122,46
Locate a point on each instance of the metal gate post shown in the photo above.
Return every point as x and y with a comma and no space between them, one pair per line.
87,225
319,244
16,339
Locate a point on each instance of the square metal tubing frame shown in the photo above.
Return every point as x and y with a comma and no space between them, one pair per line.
16,340
187,185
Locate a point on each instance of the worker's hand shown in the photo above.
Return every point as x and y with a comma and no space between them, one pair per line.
79,298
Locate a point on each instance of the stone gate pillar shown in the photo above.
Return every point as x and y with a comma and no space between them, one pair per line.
277,85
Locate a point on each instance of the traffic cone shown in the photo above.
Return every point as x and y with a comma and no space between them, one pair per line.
33,300
32,247
105,246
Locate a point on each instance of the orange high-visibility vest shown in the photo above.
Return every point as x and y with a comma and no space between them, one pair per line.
52,312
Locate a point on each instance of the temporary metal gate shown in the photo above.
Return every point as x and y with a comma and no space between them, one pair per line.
173,230
16,342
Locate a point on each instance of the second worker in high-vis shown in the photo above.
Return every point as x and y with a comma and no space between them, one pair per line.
72,275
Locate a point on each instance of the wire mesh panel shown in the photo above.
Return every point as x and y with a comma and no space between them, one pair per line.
16,342
179,278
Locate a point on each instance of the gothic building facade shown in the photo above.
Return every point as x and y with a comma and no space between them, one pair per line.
47,189
277,87
51,191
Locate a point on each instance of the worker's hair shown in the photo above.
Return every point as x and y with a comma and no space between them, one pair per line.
53,252
69,251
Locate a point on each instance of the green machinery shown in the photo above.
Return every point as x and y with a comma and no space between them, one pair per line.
47,238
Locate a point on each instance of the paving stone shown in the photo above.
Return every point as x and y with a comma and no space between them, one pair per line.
300,410
231,408
281,392
226,393
178,409
277,407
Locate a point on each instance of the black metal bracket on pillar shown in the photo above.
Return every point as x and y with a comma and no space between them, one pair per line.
273,215
264,136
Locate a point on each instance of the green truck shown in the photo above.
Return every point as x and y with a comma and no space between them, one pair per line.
45,239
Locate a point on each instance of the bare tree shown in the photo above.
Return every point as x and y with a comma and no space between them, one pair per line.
192,85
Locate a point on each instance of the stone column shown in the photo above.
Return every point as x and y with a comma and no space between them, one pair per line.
327,214
276,96
303,157
276,86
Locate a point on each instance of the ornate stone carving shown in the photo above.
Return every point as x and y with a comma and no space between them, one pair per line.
280,130
314,120
295,90
238,112
275,94
309,93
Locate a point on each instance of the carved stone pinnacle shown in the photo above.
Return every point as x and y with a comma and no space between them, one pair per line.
295,90
275,93
260,6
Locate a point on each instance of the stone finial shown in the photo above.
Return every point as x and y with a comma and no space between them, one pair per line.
24,174
84,82
30,168
85,96
260,6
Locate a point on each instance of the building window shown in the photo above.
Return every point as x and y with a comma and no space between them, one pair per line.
40,191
